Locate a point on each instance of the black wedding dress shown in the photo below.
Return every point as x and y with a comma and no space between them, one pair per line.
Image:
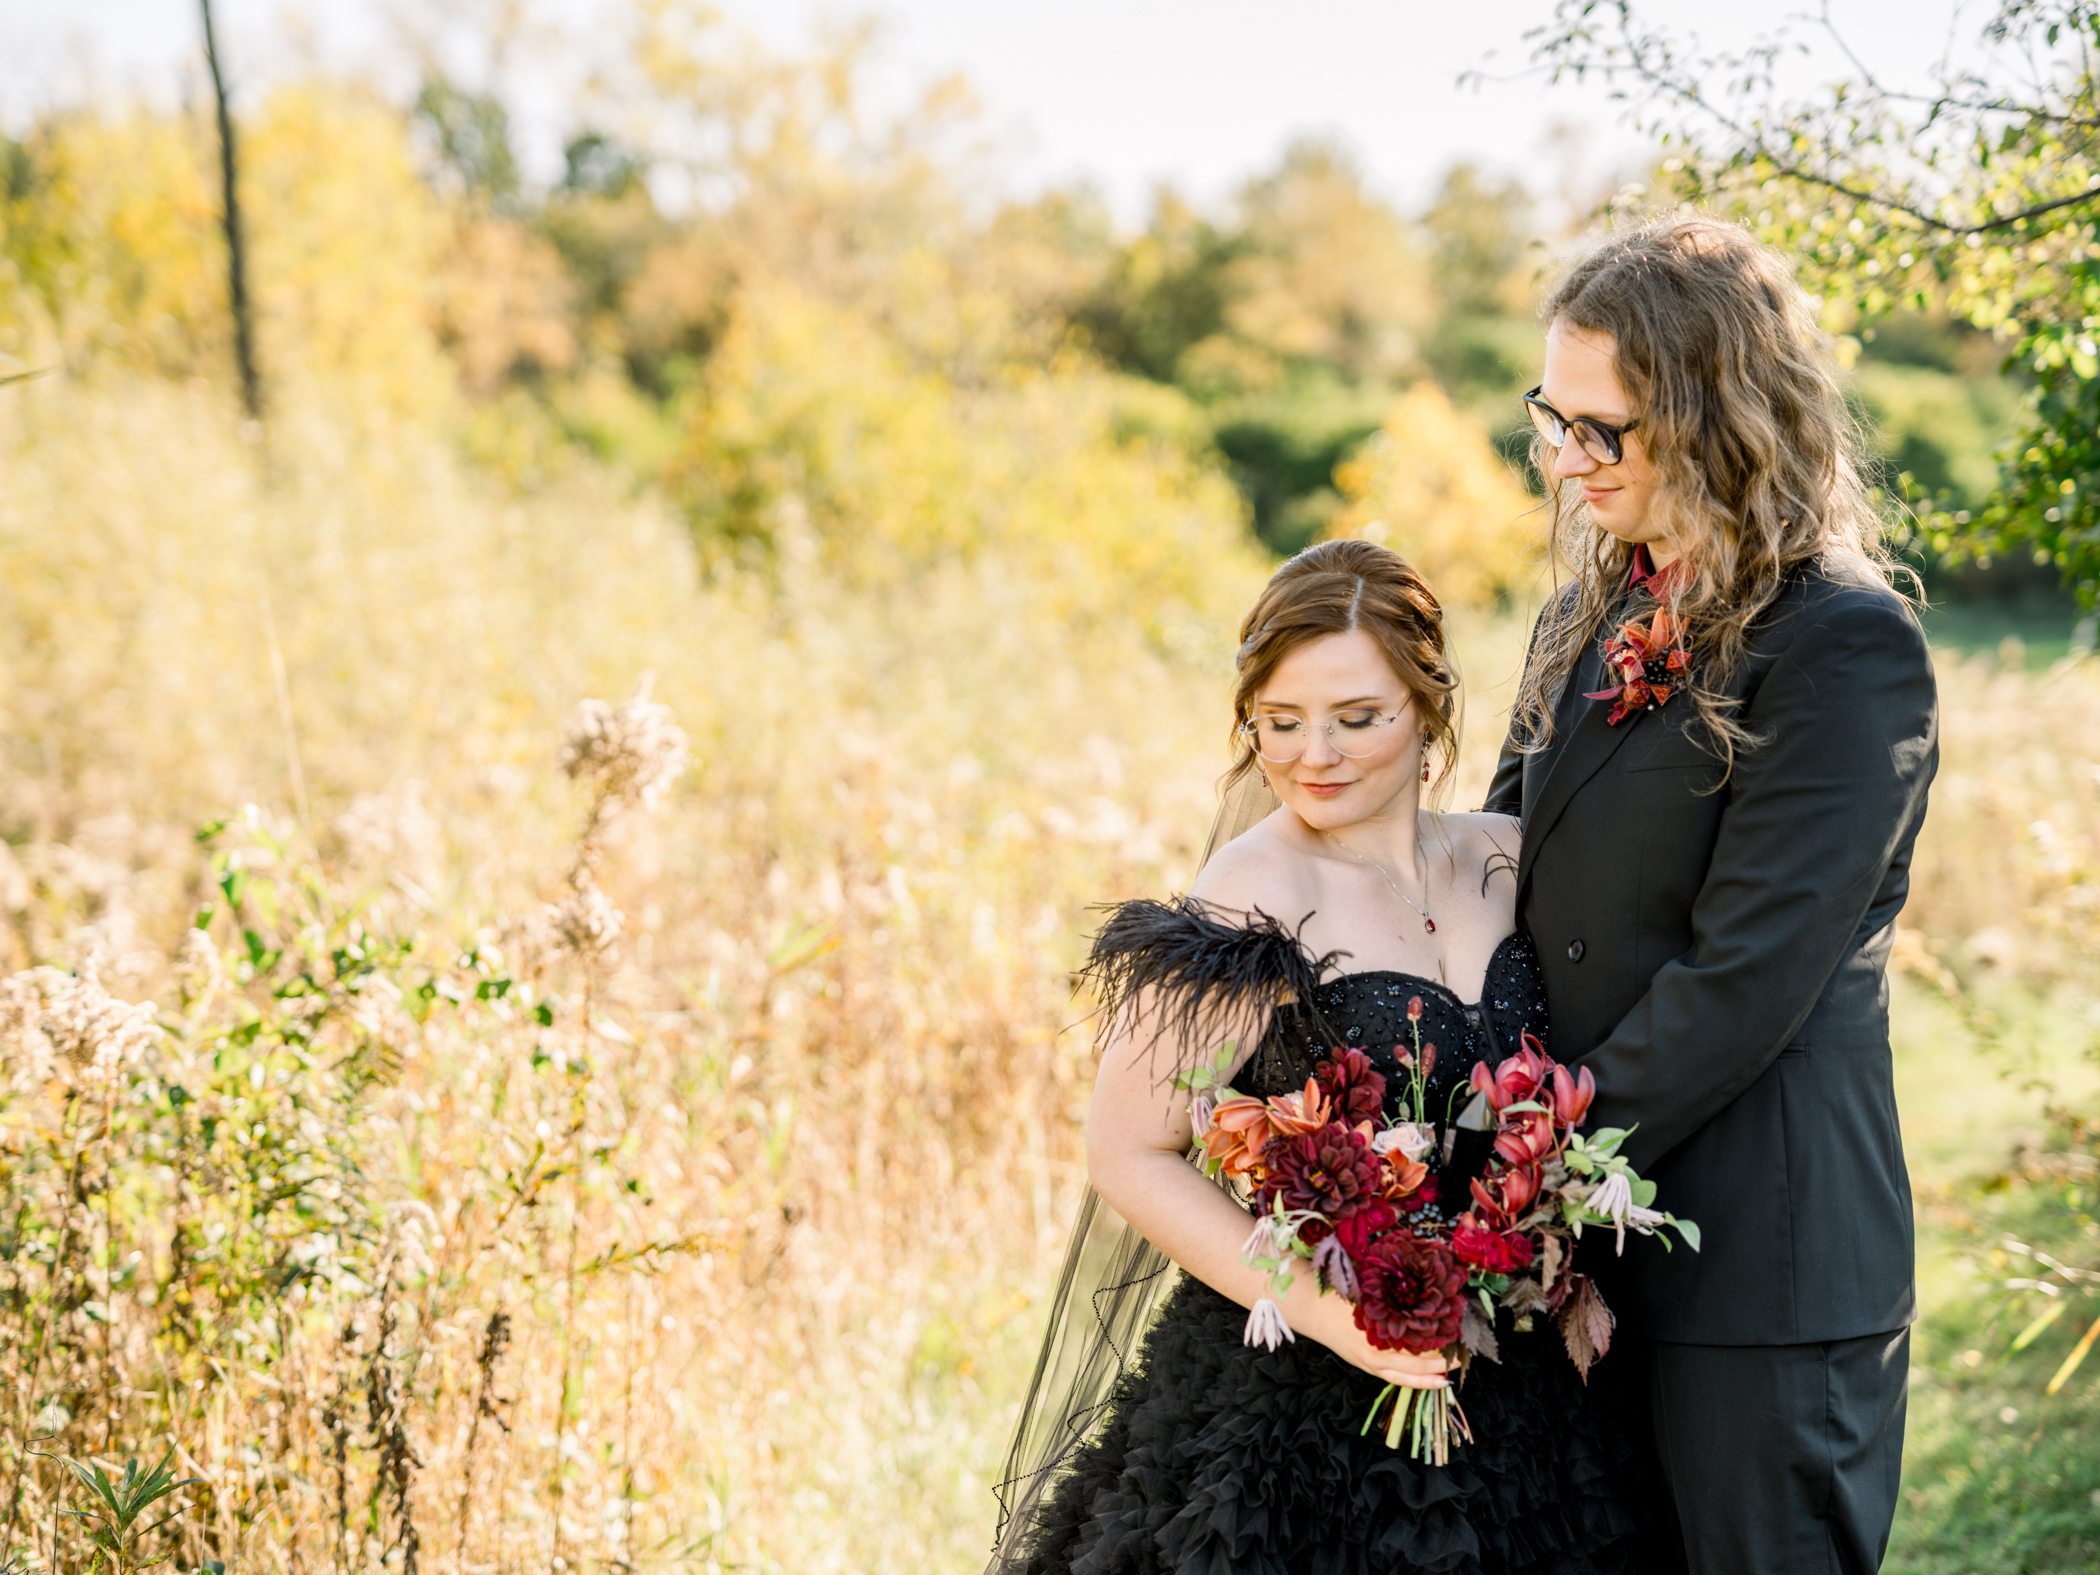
1211,1457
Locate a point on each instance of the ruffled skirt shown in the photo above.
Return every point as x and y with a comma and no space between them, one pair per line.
1218,1459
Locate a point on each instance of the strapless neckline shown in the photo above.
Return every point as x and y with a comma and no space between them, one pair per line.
1487,977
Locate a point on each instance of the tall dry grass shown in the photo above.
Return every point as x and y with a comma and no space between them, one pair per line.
437,1228
510,1174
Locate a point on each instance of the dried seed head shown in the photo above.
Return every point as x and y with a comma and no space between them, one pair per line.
57,1022
586,924
413,1235
393,831
113,947
630,752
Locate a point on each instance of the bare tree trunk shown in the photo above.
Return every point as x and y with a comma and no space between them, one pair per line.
236,251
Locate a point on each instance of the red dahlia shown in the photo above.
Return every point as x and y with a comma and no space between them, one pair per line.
1358,1229
1353,1088
1411,1294
1498,1252
1332,1171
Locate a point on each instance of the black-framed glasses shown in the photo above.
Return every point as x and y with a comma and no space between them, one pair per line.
1598,439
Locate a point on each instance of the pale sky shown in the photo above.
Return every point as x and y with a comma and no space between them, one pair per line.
1125,94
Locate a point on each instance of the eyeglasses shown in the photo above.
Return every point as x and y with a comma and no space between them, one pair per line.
1282,739
1598,439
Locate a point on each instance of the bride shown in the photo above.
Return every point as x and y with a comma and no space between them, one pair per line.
1353,914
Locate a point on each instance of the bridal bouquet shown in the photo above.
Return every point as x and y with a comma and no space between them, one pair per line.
1343,1192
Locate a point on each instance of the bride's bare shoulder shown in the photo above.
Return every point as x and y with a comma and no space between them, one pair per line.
1257,869
1484,840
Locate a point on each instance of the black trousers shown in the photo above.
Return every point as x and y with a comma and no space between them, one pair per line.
1771,1459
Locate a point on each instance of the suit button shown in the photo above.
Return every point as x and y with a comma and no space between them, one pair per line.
1575,950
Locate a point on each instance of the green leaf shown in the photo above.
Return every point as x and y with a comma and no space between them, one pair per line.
1604,1147
2050,1314
1643,1192
1688,1229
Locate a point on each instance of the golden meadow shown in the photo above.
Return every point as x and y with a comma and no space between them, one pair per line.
536,1023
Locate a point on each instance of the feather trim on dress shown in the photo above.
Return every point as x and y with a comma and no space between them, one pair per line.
1179,970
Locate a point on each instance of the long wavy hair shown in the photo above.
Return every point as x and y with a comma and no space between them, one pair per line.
1757,455
1331,588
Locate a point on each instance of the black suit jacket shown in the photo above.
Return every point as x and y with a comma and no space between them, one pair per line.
1719,961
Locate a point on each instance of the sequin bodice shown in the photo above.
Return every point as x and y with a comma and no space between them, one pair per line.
1369,1011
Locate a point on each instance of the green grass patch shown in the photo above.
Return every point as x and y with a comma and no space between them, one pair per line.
1998,1475
2030,634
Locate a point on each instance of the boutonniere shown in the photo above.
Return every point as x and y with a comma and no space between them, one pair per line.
1649,660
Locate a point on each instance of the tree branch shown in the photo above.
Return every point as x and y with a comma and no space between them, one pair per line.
1639,60
236,251
1930,221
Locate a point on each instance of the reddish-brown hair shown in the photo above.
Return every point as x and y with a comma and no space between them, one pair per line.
1332,588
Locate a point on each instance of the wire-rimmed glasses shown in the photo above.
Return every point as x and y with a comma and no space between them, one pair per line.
1598,439
1280,738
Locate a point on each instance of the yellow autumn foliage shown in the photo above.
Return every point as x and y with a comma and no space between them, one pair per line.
1430,485
112,255
112,250
812,432
348,241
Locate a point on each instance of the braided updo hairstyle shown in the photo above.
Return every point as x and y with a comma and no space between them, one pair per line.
1331,588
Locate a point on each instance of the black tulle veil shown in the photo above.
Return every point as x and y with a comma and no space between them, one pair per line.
1112,1283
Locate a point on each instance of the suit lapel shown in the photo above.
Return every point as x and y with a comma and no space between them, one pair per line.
1585,741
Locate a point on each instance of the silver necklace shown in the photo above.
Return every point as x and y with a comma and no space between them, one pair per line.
1428,924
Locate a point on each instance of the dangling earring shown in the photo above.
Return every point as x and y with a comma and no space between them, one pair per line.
1425,768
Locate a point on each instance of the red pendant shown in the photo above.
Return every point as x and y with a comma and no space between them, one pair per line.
1429,924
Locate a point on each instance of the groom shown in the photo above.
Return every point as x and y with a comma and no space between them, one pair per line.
1715,950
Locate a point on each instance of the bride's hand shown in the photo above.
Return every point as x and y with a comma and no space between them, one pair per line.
1334,1326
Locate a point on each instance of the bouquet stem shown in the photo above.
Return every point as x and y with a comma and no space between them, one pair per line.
1430,1420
